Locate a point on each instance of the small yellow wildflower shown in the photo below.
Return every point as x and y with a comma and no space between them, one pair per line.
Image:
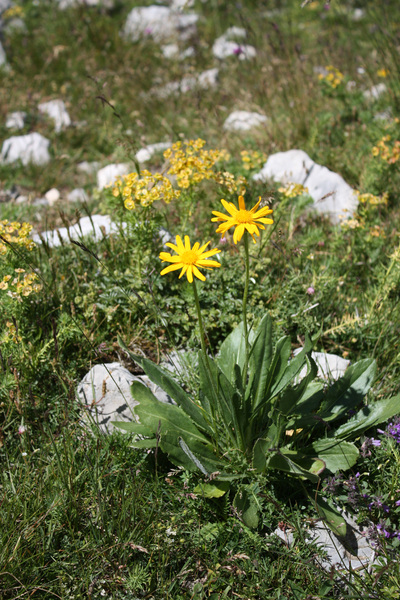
232,184
291,190
382,72
144,190
191,164
333,77
15,233
189,259
371,200
13,11
252,160
242,219
389,152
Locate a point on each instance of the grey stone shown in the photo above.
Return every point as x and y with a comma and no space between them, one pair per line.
145,154
77,195
31,148
242,120
14,25
90,168
105,395
56,110
16,120
353,551
108,175
52,196
205,80
225,48
5,5
173,51
65,4
3,58
96,226
160,23
375,92
331,194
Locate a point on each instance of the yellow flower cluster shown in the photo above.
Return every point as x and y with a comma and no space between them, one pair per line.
252,160
388,153
382,73
190,163
371,200
333,76
291,190
234,185
144,190
352,224
15,233
13,11
20,286
10,334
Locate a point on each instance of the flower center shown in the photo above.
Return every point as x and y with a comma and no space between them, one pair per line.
243,216
189,257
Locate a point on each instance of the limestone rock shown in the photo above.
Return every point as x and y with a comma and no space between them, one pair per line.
31,148
16,120
96,226
225,48
160,23
52,196
375,92
146,153
3,58
56,110
90,168
105,394
108,175
242,120
331,194
206,79
77,195
65,4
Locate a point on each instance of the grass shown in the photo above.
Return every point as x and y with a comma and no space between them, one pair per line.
85,515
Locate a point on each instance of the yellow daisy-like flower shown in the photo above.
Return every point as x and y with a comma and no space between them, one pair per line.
189,259
242,219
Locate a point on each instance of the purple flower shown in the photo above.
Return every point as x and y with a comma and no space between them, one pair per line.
375,442
397,502
238,50
310,291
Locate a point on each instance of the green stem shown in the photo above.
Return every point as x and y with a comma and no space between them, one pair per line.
201,328
245,295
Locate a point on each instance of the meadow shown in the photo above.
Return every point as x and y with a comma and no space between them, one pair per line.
186,504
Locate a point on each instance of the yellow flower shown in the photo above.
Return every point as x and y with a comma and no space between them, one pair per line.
242,219
189,259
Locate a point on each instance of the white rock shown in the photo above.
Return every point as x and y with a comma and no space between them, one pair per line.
16,24
172,51
108,175
88,167
96,226
330,366
56,110
375,92
146,153
331,194
5,5
223,48
235,32
105,394
31,148
52,196
205,80
16,120
3,58
160,23
242,120
358,14
77,195
65,4
181,4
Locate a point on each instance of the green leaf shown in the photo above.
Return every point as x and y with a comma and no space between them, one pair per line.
297,464
217,489
247,508
260,359
147,443
134,427
348,391
152,412
292,396
336,454
169,385
260,451
288,371
232,352
369,416
331,516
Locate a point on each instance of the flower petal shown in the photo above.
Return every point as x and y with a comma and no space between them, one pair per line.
238,233
170,268
230,207
198,274
242,205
